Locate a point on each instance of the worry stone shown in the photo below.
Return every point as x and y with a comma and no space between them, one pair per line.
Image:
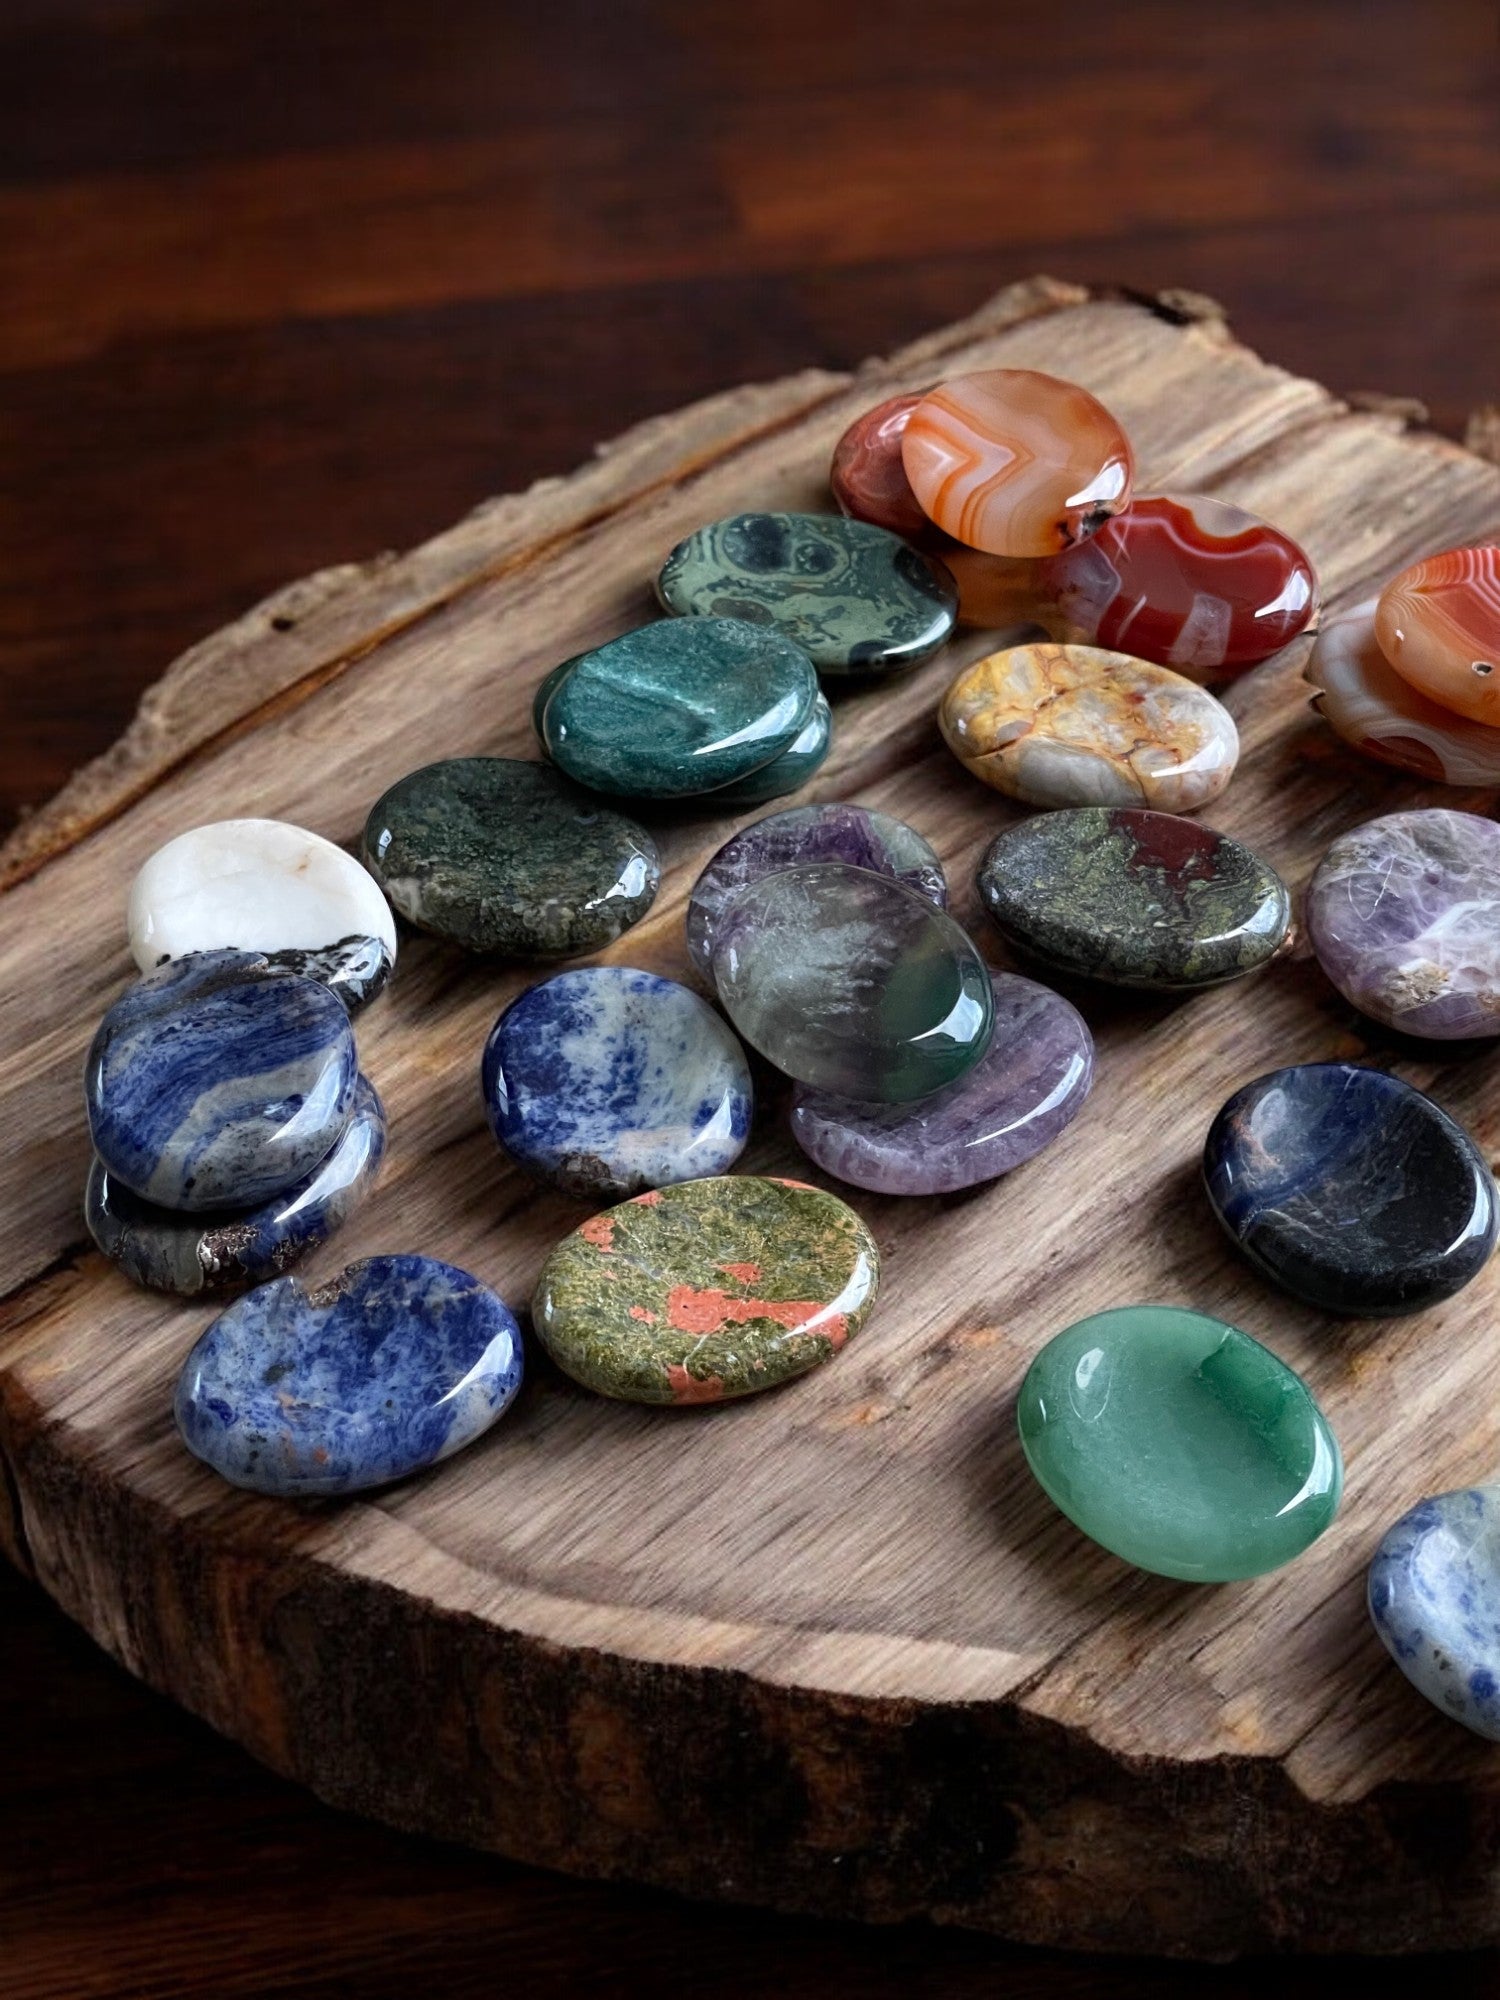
502,856
210,1085
855,598
852,982
1434,1597
1404,915
868,478
1134,898
1029,1083
786,773
393,1365
857,835
1179,1443
1077,726
1350,1189
1016,462
707,1290
606,1080
167,1250
1438,623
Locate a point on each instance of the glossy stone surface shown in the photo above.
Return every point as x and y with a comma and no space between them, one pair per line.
1438,623
787,773
605,1081
397,1363
855,835
1179,1443
1078,726
1134,898
852,982
506,857
868,478
1015,462
1362,697
1404,915
1434,1596
678,707
1029,1083
855,598
1350,1190
706,1291
167,1250
210,1085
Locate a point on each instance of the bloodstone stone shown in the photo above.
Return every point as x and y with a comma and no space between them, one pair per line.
707,1290
1350,1189
867,476
1438,624
1434,1597
787,773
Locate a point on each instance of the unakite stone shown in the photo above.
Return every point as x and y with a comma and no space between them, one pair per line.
1434,1596
1179,1443
707,1290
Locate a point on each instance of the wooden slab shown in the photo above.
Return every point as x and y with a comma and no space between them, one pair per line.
832,1649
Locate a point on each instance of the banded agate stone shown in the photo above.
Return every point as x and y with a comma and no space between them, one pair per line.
868,478
1434,1597
1438,623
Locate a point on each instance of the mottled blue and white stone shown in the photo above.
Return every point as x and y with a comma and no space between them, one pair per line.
167,1250
1434,1594
606,1081
211,1085
396,1364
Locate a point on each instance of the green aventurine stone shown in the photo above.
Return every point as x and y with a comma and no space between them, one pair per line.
1179,1443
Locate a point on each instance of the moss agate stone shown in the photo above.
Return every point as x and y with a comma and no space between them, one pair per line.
1179,1443
1434,1597
787,773
705,1291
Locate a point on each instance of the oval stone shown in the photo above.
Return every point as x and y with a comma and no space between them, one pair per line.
1077,726
1029,1083
852,982
397,1363
787,773
1404,915
606,1080
706,1291
868,478
1434,1597
1134,898
211,1085
505,857
1350,1189
1179,1444
1438,624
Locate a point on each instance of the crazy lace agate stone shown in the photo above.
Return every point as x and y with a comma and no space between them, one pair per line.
1362,697
706,1291
787,773
1438,623
1434,1597
1134,898
210,1085
1350,1190
868,477
852,982
1027,1086
396,1364
1179,1443
1404,915
606,1080
856,835
854,598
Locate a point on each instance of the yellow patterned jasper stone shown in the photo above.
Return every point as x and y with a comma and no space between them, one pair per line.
1079,726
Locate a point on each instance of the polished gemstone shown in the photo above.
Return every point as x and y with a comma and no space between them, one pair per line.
502,856
168,1250
1029,1083
395,1364
1134,898
787,773
1438,623
1350,1189
1404,915
705,1291
1434,1597
210,1085
678,707
1179,1443
857,835
852,982
1015,462
1077,726
855,598
868,478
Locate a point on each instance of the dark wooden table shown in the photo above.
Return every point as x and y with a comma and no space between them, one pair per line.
283,282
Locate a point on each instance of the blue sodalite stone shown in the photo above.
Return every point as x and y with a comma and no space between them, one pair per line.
169,1250
606,1081
1350,1189
1434,1594
398,1363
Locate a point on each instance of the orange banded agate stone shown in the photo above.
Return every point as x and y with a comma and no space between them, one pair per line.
1438,623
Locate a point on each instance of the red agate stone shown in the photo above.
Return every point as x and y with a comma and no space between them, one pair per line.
1438,623
867,476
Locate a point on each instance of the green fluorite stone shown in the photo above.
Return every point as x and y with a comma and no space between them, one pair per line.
1179,1443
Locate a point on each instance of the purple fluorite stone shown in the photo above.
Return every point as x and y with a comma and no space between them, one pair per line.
851,834
1026,1087
1404,915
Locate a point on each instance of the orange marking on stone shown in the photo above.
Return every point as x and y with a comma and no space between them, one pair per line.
647,1200
700,1313
600,1231
748,1274
688,1388
643,1313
